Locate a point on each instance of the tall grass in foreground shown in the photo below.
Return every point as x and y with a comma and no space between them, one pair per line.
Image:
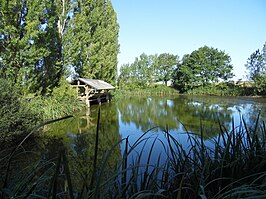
233,167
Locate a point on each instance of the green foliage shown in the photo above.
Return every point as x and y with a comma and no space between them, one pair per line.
202,67
91,40
62,102
224,89
165,65
39,40
140,74
155,90
198,69
30,46
12,14
256,65
15,116
146,70
260,85
64,89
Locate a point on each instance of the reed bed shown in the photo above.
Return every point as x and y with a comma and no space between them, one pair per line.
232,166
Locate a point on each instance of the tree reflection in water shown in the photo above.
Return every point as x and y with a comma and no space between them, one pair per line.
146,113
78,136
196,115
153,119
191,112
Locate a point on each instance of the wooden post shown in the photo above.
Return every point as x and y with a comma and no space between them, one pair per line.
78,88
88,112
99,100
107,97
88,103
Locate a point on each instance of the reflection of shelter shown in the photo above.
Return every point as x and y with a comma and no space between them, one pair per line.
84,123
92,90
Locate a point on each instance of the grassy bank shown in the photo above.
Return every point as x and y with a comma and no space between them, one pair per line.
20,113
56,106
224,89
216,89
61,102
232,167
156,90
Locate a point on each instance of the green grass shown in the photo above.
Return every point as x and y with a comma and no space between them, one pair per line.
224,89
156,90
233,168
52,107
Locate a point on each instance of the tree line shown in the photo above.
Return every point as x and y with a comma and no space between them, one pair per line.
256,65
201,68
42,41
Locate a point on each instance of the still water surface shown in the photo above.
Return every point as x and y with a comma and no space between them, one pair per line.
151,117
131,118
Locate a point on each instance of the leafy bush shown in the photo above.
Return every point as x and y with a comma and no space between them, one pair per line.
260,85
62,102
224,89
15,116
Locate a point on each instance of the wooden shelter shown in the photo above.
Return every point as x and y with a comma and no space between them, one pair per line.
92,90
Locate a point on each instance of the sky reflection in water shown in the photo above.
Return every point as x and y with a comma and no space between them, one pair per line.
179,116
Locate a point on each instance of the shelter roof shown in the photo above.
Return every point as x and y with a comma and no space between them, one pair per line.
96,83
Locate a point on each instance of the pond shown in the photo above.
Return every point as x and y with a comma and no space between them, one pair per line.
153,119
132,117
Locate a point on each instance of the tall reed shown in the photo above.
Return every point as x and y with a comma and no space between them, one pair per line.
232,165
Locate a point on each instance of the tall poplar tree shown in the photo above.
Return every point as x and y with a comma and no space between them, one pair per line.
37,36
35,49
43,66
105,47
91,40
12,24
52,64
77,38
31,50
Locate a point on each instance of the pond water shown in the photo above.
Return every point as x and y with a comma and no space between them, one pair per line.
153,119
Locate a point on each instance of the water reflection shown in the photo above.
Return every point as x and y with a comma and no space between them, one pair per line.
132,117
149,117
173,114
179,116
77,135
191,113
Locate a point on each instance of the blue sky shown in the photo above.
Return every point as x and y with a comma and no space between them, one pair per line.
237,27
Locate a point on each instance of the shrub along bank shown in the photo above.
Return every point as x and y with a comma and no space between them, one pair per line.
216,89
225,89
62,102
19,114
155,90
15,114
